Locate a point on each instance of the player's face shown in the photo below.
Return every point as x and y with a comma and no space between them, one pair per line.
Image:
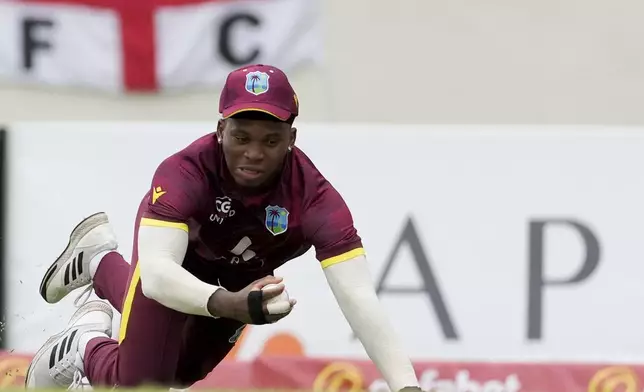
255,149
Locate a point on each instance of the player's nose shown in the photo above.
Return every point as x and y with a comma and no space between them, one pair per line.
254,153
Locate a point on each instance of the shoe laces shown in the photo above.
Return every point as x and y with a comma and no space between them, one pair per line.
77,382
84,296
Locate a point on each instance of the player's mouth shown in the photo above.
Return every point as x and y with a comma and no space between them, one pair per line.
248,173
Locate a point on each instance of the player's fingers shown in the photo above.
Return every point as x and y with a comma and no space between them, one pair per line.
273,318
266,280
272,291
278,307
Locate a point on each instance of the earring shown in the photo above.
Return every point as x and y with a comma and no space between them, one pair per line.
290,148
219,140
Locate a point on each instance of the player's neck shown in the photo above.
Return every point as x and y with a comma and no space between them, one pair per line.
256,191
253,192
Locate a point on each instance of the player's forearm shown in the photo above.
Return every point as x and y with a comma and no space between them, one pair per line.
178,289
352,286
163,279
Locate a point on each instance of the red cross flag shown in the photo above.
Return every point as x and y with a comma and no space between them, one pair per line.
151,45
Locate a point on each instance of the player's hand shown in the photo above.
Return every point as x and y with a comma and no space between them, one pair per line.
238,305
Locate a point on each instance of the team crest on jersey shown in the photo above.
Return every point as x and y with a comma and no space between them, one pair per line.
276,220
257,82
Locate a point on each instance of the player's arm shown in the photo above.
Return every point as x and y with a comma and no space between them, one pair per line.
353,289
163,239
178,190
162,248
339,248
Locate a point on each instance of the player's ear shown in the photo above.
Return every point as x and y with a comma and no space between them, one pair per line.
293,137
220,130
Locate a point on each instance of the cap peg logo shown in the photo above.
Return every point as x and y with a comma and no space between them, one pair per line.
257,82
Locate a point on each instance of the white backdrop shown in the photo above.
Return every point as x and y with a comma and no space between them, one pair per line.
471,191
420,61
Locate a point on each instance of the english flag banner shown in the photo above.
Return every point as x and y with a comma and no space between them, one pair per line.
151,45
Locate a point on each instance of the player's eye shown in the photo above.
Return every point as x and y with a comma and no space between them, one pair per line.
272,142
241,139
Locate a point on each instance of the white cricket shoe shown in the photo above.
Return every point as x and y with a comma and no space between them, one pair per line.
59,362
71,269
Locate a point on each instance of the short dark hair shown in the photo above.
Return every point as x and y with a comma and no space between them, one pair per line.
261,116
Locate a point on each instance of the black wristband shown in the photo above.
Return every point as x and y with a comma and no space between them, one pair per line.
255,307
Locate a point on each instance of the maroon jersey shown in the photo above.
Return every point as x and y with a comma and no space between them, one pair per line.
233,233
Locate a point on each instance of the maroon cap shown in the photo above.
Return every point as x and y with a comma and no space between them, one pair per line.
258,88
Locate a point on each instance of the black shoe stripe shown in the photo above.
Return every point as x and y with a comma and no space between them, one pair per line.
67,275
80,263
74,269
71,339
61,352
52,357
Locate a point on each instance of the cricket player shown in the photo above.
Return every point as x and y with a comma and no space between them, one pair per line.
221,215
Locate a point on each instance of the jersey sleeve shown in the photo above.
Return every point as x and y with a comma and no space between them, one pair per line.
176,194
328,225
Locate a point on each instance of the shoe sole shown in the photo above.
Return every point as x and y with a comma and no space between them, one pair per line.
85,226
88,307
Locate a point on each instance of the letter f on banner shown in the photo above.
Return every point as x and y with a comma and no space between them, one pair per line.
31,44
536,279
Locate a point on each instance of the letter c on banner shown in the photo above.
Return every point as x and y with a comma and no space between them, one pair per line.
337,374
614,379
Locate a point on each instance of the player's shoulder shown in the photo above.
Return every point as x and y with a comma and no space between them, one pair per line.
309,181
193,161
326,219
180,183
